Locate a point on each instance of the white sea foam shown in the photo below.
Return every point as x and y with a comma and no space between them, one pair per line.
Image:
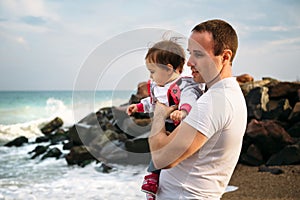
29,129
23,178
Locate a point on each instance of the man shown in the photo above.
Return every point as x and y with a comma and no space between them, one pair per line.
199,156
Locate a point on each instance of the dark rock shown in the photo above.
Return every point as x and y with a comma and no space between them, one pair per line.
294,130
257,100
295,114
244,78
39,150
278,110
272,170
268,136
68,145
142,92
59,136
78,155
287,90
52,153
52,126
137,145
248,86
19,141
42,139
104,168
287,156
248,160
83,134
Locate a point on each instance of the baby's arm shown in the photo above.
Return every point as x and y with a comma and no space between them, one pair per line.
132,109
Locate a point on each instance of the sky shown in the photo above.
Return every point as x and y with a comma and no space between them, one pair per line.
67,45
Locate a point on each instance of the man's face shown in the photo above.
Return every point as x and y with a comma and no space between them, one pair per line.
204,64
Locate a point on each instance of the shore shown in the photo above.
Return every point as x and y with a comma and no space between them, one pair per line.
253,184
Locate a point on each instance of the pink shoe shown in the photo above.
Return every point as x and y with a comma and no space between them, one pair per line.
150,184
150,196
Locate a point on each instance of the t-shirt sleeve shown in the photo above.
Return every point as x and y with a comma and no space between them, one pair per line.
201,115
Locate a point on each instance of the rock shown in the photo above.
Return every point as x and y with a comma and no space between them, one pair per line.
39,150
272,170
268,136
52,126
294,130
142,92
289,155
244,78
277,110
19,141
78,155
42,139
295,114
257,100
104,168
114,152
287,90
137,145
83,134
248,86
59,136
52,153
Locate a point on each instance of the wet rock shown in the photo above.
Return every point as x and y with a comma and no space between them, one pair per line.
52,126
52,153
78,155
39,150
19,141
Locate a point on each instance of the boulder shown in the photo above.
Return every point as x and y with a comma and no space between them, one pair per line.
52,153
268,136
289,155
52,126
19,141
78,155
39,150
244,78
256,101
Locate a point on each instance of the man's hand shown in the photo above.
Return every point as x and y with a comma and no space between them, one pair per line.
163,111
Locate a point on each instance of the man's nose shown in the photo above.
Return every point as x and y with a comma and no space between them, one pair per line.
190,63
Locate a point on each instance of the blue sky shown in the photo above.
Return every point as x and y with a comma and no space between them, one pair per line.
45,44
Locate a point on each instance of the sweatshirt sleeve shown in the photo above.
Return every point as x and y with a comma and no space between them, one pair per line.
189,96
145,105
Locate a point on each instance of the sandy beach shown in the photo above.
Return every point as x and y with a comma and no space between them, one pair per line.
253,184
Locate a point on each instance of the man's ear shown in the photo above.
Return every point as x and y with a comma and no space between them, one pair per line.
227,54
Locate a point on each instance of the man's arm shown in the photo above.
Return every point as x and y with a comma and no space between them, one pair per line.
169,150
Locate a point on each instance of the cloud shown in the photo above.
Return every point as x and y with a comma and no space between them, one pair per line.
32,20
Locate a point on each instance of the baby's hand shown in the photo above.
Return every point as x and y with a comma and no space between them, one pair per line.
178,115
131,109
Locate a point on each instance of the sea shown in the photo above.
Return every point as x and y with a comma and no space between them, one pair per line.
23,113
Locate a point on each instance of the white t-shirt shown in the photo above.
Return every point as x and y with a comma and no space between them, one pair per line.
221,115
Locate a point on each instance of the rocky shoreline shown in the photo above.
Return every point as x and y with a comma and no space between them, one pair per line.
110,136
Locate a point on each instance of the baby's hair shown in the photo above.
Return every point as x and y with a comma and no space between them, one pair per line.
167,52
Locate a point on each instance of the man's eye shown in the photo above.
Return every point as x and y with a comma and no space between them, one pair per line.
199,54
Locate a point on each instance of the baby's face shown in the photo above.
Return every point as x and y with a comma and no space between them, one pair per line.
160,74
